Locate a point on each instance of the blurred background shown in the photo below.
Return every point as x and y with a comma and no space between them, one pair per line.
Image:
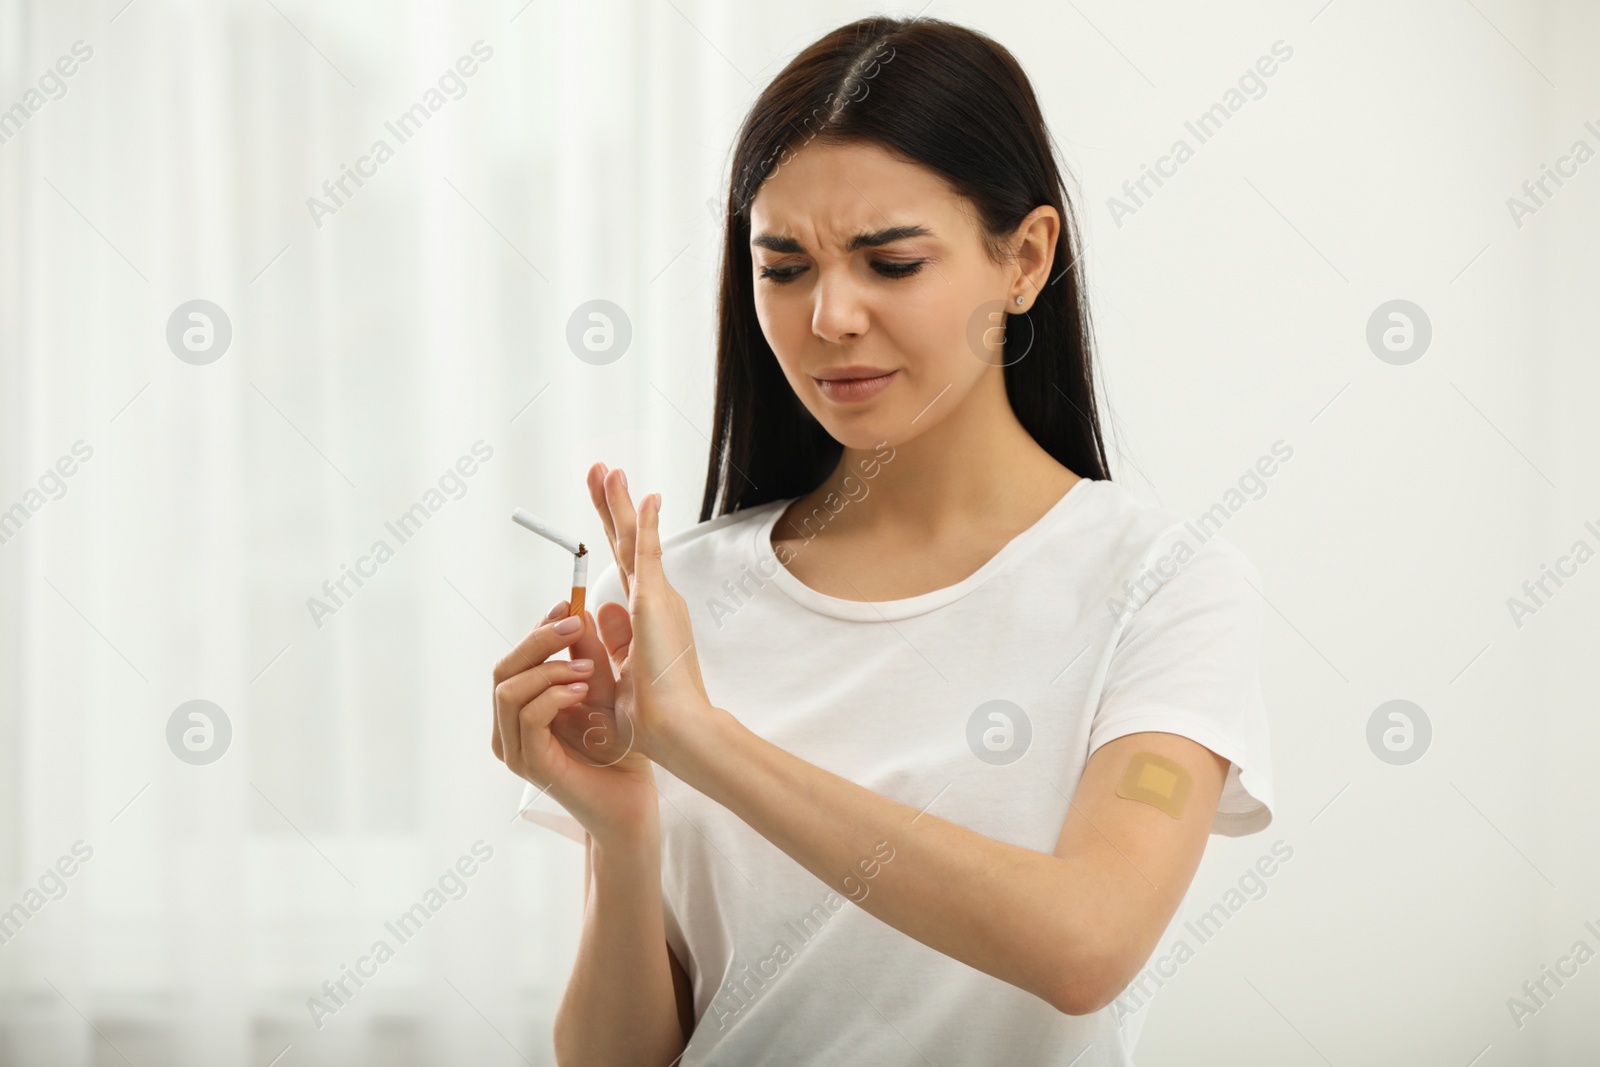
225,376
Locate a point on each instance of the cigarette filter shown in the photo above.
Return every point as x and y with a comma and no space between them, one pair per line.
580,579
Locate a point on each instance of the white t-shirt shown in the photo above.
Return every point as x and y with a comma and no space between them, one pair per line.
984,699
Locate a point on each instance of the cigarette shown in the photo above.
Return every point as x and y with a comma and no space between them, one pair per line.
580,554
546,531
580,579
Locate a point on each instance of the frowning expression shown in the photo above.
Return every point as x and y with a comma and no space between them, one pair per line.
868,268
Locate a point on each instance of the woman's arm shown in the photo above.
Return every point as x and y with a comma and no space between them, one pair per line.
1073,928
621,1006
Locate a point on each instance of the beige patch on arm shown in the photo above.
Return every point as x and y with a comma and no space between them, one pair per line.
1158,781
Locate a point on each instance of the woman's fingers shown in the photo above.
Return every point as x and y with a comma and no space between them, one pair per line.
527,660
647,540
616,631
533,725
622,516
597,493
651,586
515,692
543,641
588,647
598,475
514,696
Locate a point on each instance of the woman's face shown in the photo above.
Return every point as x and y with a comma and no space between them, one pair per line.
870,265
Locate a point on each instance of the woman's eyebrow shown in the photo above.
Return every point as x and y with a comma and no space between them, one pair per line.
784,243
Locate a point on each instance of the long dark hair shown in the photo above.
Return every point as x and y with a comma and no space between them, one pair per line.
958,103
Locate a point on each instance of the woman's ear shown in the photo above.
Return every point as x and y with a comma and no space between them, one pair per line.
1035,251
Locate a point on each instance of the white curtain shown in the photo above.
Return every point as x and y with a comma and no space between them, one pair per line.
401,332
372,349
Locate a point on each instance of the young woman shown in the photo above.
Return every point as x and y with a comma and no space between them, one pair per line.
908,752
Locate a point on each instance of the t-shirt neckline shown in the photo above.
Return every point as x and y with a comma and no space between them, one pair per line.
890,610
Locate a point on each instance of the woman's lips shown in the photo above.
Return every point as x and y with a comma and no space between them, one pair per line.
854,390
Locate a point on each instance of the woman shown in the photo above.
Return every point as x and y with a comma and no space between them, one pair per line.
909,751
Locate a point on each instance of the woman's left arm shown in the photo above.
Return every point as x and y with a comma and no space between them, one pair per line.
1073,927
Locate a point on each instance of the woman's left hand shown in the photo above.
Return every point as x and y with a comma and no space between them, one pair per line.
651,642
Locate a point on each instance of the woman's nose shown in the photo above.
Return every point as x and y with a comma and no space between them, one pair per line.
839,312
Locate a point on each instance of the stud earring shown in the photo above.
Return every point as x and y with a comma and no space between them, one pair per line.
1019,299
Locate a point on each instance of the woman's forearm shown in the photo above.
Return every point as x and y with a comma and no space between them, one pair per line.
619,1006
993,906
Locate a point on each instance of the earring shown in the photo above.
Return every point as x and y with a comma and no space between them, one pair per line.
1019,299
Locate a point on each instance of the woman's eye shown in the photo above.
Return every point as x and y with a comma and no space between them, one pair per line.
780,274
891,269
887,268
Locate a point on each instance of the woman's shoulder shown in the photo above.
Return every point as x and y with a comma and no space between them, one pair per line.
1133,533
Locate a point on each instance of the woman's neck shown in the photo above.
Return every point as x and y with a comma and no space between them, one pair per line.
975,466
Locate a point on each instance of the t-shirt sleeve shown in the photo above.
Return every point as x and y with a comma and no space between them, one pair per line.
1187,661
538,806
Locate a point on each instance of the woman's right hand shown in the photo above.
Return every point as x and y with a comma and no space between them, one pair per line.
554,725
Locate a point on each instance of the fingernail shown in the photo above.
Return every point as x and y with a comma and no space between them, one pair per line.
583,664
578,687
561,606
624,476
570,625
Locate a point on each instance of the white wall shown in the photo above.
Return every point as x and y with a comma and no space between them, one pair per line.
371,352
